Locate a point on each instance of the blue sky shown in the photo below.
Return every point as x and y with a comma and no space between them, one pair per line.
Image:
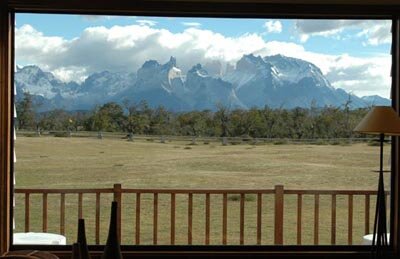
353,54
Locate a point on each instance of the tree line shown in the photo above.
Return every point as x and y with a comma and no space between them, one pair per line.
139,118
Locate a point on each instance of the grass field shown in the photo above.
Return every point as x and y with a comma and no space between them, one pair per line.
53,162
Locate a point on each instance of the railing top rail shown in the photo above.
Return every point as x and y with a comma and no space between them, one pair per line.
331,192
42,190
196,191
200,191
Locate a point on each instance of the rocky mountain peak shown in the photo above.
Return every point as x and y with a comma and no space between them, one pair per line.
198,70
251,64
171,62
149,64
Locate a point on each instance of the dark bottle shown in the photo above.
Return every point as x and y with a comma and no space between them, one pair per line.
82,239
76,251
112,249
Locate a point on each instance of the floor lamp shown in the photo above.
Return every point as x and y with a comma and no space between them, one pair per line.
382,121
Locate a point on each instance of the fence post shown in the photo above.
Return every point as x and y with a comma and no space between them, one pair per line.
279,214
117,190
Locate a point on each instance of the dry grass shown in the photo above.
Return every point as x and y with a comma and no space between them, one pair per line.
49,162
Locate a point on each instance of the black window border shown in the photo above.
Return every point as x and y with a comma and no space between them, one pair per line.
229,9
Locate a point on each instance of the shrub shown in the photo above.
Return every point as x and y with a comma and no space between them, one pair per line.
61,134
31,135
373,143
280,142
335,142
340,142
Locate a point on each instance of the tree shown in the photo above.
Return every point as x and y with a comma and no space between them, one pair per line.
57,119
161,122
109,117
222,118
136,119
299,120
347,126
192,123
25,113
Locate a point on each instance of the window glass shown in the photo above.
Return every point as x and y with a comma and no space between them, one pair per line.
207,130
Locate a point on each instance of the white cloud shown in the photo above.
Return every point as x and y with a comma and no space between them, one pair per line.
374,32
324,27
363,76
126,48
96,18
70,73
146,22
377,34
273,26
191,24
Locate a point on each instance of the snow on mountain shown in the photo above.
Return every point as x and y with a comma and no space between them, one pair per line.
106,83
248,69
33,80
279,81
276,81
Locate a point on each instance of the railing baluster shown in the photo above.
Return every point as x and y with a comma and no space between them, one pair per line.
155,218
44,212
117,190
259,217
80,201
279,200
27,212
316,219
299,211
242,200
207,239
350,220
190,218
367,209
62,214
137,216
172,218
224,218
97,218
333,220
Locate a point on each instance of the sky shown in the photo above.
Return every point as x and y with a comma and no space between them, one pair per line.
352,54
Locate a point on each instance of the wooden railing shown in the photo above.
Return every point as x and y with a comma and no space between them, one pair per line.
278,193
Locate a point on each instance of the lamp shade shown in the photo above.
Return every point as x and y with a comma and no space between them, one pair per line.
380,120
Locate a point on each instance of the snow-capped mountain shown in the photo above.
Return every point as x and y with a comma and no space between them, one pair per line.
33,80
158,85
276,81
280,81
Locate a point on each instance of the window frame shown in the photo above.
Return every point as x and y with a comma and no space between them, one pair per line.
307,9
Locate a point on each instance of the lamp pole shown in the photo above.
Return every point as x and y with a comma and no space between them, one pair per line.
379,240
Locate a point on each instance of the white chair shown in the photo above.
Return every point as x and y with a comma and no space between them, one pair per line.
367,239
32,238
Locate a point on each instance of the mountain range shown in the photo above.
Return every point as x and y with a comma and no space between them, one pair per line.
276,81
